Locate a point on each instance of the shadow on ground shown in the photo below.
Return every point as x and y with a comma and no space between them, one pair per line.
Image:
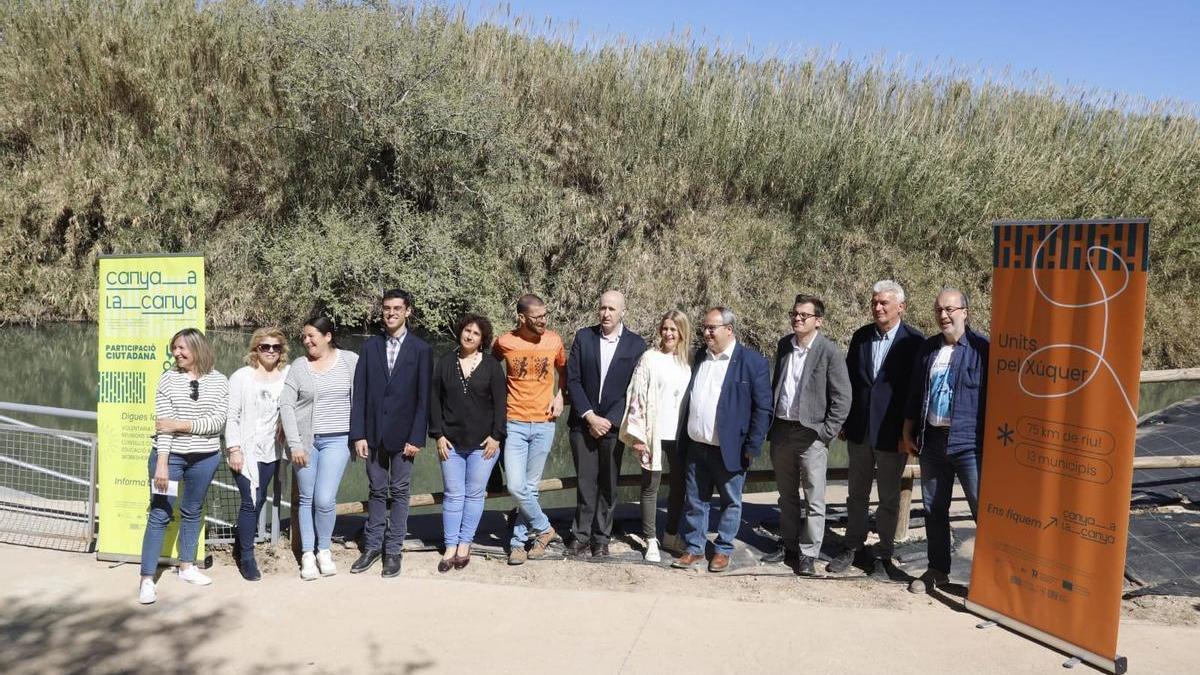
63,635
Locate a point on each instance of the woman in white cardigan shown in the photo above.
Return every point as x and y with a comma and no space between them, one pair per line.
651,422
253,435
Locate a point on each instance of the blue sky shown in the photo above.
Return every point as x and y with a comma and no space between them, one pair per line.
1145,49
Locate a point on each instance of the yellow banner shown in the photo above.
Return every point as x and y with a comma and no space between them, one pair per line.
1068,307
144,300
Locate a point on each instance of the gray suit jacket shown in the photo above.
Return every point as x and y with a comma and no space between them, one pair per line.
825,385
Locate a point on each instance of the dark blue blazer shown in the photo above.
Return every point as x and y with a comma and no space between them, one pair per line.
743,410
877,403
583,377
391,409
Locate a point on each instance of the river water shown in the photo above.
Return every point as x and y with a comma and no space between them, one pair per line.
55,365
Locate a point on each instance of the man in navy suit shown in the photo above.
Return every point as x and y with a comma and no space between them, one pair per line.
724,420
598,372
388,420
880,361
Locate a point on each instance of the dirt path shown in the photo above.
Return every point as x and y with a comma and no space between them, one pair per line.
65,612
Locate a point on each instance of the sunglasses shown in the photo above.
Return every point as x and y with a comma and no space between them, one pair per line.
195,385
265,347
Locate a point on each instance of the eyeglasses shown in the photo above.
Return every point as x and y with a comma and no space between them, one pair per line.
195,385
713,328
540,317
267,347
938,311
803,316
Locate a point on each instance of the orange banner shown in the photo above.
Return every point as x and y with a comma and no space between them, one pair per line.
1068,309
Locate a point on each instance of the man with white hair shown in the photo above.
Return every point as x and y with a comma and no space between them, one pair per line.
880,361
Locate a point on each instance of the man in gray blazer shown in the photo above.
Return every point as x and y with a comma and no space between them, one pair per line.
812,400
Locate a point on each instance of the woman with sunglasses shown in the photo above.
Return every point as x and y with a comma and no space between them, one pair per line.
253,439
189,409
315,410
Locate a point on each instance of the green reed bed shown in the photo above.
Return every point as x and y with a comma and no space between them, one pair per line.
317,154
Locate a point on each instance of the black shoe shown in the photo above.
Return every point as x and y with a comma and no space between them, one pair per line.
781,554
842,562
391,565
807,566
365,560
599,550
579,548
249,569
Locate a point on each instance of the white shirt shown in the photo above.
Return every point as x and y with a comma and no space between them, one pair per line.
880,344
787,398
706,393
608,348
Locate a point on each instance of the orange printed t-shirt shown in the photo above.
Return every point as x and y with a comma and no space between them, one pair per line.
530,368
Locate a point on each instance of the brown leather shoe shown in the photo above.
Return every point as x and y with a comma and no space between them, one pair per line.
719,563
688,561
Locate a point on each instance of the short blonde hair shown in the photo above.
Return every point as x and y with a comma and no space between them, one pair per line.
257,338
683,349
198,345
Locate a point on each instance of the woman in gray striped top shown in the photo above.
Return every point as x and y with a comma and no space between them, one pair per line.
189,409
315,410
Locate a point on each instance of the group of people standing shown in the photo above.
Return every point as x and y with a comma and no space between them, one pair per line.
702,415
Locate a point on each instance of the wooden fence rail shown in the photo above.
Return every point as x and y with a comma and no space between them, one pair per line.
913,470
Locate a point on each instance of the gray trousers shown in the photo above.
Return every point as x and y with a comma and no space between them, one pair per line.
867,464
800,459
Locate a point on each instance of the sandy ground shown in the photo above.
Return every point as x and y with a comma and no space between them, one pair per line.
66,612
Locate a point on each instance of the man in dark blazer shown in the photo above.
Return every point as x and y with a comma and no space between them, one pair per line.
880,361
388,419
723,422
598,372
811,401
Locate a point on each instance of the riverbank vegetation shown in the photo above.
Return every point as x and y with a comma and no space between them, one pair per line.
317,154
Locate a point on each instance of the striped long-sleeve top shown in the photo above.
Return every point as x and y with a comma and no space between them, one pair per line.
173,400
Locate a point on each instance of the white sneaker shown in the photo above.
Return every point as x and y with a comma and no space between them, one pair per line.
308,566
325,563
194,576
652,554
147,594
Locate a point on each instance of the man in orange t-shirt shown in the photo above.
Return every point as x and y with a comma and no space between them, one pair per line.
532,356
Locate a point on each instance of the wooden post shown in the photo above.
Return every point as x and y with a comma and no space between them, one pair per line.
906,490
294,515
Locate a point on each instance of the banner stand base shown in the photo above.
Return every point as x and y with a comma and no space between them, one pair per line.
1117,666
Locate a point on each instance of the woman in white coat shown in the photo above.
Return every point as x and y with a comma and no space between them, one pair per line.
651,422
253,436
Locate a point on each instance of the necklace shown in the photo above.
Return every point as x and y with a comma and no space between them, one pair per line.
472,363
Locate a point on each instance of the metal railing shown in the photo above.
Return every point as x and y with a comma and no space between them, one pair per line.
224,498
47,487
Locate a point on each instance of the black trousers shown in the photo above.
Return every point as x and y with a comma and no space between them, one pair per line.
597,465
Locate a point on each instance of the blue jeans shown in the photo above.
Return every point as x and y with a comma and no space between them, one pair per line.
318,484
525,451
195,474
465,475
706,469
938,470
247,522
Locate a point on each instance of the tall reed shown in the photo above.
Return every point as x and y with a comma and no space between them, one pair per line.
317,154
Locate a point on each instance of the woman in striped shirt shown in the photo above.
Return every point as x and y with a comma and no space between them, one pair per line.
315,410
189,409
